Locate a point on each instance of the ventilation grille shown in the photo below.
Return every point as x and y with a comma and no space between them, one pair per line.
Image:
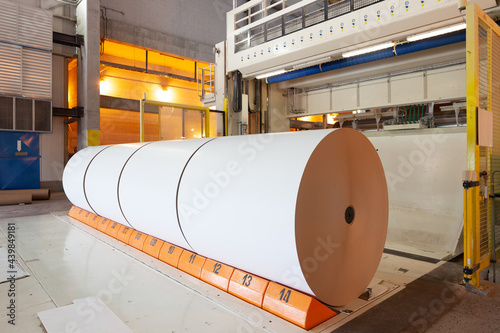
37,73
25,51
25,114
25,25
10,69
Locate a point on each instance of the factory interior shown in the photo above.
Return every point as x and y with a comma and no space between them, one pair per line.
249,166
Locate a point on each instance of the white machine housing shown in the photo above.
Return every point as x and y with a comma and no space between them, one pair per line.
379,22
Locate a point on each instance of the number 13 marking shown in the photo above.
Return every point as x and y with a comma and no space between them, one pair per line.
247,279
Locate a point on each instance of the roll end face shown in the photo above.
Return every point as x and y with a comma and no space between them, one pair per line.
341,217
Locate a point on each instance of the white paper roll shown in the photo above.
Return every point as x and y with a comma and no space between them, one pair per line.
308,210
154,173
276,205
102,177
74,176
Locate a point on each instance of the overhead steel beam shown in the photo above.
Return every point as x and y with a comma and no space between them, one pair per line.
76,112
65,39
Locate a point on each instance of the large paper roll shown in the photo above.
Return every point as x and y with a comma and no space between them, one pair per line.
74,176
154,173
308,210
102,180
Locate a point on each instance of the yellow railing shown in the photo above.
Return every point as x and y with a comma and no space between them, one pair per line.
483,71
144,102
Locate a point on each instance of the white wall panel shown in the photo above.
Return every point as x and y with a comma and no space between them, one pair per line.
407,88
52,152
345,97
374,92
319,100
447,83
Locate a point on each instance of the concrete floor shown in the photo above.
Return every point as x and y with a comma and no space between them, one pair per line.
433,302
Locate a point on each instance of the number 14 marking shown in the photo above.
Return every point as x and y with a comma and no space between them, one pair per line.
285,295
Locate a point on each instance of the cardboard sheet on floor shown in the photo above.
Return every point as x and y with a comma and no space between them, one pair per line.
10,268
85,315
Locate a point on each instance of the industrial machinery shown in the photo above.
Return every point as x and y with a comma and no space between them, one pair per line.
399,72
415,77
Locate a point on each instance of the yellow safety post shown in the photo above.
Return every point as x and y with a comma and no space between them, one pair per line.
159,123
224,108
141,131
470,195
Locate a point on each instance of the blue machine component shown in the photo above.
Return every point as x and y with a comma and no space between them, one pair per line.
400,49
19,160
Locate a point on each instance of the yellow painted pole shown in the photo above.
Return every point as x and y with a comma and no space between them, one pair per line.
141,131
224,108
159,123
470,209
207,123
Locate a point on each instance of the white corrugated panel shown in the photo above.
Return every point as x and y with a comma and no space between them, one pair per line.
10,69
37,73
8,21
35,27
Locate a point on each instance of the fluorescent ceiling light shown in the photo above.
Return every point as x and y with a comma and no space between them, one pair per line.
266,75
368,49
437,32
